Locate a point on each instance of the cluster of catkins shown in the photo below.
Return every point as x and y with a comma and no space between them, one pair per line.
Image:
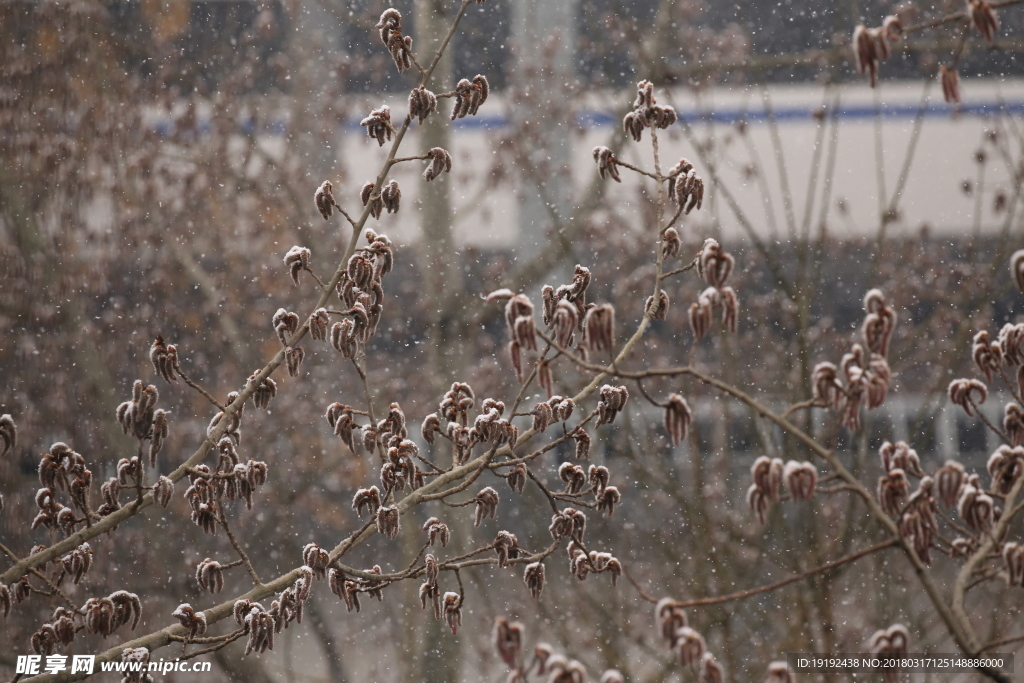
449,605
360,289
571,524
141,418
552,667
914,512
646,113
770,475
954,488
685,187
164,358
893,642
378,125
232,479
389,198
257,622
488,427
349,589
871,46
866,373
993,358
687,643
62,469
400,47
568,317
470,96
715,265
576,482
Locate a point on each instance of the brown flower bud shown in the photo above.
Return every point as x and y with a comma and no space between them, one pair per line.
1017,268
690,646
297,260
578,521
800,478
1011,343
534,578
318,324
671,243
368,499
388,524
573,477
452,608
967,393
658,310
367,197
469,96
77,563
440,161
343,338
316,558
1013,559
687,190
164,359
879,323
422,103
714,264
700,316
598,476
391,196
565,321
976,508
983,18
378,124
542,416
950,84
710,670
613,400
210,575
607,499
1005,466
950,479
669,618
519,319
606,167
293,356
561,407
891,641
436,531
582,440
506,545
324,199
508,641
486,505
869,47
900,455
893,489
778,672
136,657
599,328
8,435
431,426
758,502
194,622
677,418
988,357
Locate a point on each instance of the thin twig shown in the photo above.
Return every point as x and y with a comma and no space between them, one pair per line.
238,548
195,385
702,602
